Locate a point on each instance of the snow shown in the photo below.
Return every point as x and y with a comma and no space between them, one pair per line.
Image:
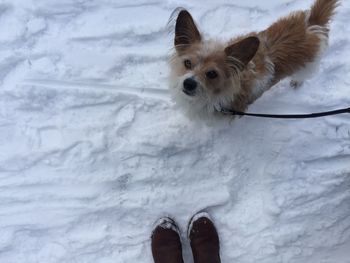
93,151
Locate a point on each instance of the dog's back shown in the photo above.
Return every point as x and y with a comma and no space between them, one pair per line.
296,41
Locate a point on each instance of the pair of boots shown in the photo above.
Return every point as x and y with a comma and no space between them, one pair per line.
204,240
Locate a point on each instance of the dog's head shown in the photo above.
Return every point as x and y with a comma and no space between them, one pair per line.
205,74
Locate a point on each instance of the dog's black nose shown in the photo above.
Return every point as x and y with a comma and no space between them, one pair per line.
190,86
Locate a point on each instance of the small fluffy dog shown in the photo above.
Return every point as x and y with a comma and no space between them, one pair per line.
208,76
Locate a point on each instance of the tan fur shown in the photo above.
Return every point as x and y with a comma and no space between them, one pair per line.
247,65
322,11
290,45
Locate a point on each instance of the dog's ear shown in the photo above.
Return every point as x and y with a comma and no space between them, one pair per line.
244,51
186,31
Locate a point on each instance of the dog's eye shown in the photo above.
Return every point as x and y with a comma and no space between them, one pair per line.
212,74
188,64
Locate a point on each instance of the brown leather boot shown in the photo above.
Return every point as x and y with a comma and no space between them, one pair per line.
166,243
204,239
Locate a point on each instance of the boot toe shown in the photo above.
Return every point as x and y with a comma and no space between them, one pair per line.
166,242
204,239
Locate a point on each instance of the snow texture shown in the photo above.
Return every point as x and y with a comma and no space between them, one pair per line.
93,151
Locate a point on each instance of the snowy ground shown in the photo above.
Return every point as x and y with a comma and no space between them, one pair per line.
93,152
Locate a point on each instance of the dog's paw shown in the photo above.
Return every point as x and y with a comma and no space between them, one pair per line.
296,84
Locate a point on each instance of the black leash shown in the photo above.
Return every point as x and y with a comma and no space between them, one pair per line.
287,116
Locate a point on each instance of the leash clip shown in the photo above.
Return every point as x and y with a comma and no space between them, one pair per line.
228,112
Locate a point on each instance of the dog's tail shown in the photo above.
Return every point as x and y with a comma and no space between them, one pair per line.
322,12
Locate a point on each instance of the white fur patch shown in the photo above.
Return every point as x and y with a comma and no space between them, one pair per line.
311,68
263,84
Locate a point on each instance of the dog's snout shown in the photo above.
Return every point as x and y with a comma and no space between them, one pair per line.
190,86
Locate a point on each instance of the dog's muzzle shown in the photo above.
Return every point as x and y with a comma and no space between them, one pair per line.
190,86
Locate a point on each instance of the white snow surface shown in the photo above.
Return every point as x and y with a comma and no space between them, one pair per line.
93,151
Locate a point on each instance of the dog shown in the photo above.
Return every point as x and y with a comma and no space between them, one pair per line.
208,76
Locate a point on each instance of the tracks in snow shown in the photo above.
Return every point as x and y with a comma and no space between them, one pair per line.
153,93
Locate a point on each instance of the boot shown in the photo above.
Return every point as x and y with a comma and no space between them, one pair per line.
204,239
166,243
